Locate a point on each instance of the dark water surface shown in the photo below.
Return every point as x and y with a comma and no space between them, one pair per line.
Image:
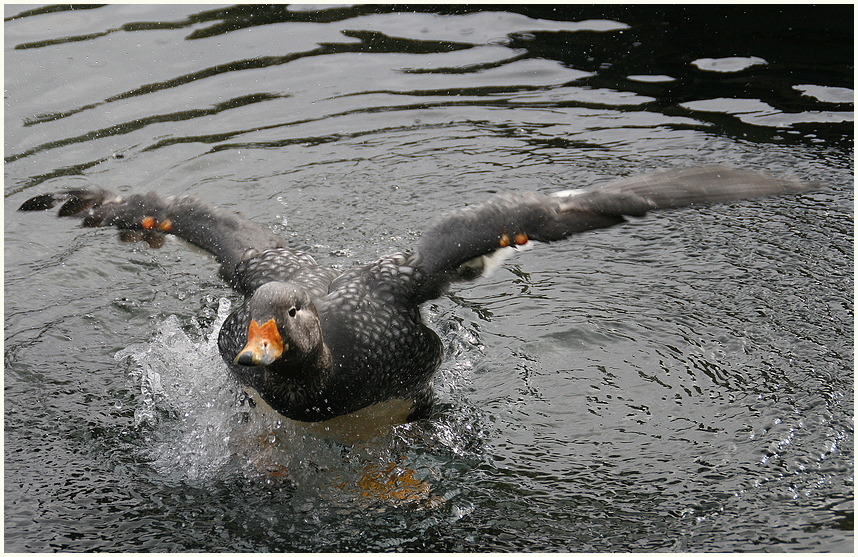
682,383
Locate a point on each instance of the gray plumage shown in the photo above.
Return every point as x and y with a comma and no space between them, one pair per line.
356,338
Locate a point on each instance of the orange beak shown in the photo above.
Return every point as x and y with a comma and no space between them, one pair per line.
263,347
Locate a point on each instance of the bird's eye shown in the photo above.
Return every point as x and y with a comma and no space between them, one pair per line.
292,311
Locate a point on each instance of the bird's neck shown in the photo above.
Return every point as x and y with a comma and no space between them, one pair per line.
295,387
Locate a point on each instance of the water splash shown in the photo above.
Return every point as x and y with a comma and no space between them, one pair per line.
190,404
197,422
197,426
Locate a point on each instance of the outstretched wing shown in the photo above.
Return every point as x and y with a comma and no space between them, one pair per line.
249,254
461,244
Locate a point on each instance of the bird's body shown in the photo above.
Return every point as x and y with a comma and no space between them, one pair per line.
317,344
365,317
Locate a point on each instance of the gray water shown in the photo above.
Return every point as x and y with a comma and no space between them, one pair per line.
680,383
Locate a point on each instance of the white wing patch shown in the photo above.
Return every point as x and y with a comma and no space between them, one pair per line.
486,265
567,193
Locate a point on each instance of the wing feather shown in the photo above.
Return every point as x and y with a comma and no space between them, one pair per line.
456,245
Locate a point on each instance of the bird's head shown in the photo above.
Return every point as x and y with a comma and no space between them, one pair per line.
283,325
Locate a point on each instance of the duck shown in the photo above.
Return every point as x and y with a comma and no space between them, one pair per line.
318,345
